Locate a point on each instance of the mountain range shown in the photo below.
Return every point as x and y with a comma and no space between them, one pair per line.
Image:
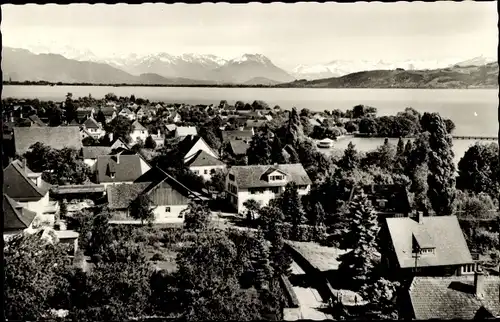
82,66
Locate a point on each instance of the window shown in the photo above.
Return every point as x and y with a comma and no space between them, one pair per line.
142,132
274,178
196,171
231,177
212,171
205,171
167,209
252,191
275,189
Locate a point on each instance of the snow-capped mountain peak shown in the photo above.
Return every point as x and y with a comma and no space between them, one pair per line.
259,58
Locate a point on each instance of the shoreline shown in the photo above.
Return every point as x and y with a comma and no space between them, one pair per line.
230,86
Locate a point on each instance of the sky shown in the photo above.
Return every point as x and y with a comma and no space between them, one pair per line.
289,34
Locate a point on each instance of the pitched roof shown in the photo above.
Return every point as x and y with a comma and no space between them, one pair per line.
108,111
442,232
202,159
186,130
252,176
157,183
453,297
138,126
15,217
237,134
171,127
126,111
92,152
120,196
19,186
91,123
55,137
119,143
256,123
239,146
35,119
127,169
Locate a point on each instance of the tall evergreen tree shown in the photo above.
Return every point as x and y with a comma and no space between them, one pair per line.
291,205
358,265
294,128
441,179
260,149
350,159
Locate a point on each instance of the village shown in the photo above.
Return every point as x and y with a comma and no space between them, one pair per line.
390,234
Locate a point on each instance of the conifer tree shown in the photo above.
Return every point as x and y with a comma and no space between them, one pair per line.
350,159
291,205
358,265
441,179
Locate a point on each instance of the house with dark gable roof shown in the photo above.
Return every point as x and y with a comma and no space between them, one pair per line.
426,246
204,164
139,132
199,156
263,182
126,112
169,196
93,128
119,168
55,137
27,188
16,218
469,297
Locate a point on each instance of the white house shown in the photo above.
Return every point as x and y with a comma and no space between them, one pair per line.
175,117
28,189
263,182
119,168
139,132
204,164
158,138
183,131
125,112
169,196
93,128
191,144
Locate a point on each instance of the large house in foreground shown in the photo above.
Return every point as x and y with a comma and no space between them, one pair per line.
263,182
426,246
169,196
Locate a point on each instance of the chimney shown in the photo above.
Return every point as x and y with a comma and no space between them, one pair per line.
118,158
420,217
479,284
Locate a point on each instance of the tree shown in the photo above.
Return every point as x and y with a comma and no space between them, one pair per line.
293,128
478,170
150,143
208,280
260,149
55,116
70,108
100,117
350,159
218,180
358,265
33,269
141,208
291,205
474,206
381,295
317,215
259,259
59,167
196,216
441,179
252,207
111,97
280,259
368,126
121,127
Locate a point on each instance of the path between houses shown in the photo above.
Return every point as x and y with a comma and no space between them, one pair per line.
310,302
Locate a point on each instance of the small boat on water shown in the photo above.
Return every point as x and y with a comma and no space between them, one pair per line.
325,143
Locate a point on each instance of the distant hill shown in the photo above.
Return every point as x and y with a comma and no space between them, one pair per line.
23,65
261,81
485,76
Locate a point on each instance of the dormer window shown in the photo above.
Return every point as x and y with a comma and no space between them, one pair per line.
112,175
275,178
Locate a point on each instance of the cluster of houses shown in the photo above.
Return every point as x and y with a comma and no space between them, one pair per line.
442,279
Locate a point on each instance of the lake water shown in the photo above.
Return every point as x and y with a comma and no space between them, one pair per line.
461,106
370,144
